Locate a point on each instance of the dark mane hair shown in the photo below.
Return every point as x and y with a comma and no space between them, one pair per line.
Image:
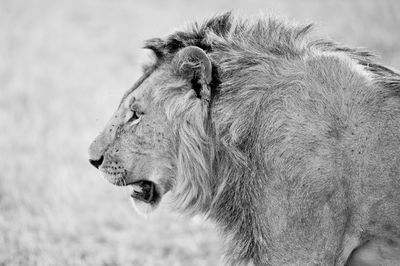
267,36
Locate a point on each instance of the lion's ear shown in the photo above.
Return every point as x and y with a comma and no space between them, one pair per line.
193,63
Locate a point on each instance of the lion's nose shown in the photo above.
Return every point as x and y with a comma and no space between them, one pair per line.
97,163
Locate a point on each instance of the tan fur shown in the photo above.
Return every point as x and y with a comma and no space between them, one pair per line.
295,154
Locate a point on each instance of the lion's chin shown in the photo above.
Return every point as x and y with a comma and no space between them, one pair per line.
142,208
145,196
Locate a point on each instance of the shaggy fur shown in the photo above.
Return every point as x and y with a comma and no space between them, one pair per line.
296,153
267,135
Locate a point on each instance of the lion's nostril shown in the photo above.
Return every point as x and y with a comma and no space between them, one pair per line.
97,163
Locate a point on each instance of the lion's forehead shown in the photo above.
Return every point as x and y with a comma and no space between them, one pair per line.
136,97
150,84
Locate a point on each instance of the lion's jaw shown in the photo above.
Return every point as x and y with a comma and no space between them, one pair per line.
146,194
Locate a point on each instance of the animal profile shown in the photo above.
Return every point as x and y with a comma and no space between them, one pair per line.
290,145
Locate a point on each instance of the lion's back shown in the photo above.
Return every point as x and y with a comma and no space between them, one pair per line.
339,142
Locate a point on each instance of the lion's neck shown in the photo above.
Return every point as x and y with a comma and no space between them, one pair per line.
234,209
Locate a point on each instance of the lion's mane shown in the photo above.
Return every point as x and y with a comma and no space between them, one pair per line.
223,169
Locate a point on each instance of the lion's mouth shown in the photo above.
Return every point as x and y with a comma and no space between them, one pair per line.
145,191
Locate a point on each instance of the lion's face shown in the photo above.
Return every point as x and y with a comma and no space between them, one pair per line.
132,148
138,145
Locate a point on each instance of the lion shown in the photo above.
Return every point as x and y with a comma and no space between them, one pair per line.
290,145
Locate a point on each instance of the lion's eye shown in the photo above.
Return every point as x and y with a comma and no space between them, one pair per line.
133,117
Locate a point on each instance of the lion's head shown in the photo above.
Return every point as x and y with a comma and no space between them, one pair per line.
159,124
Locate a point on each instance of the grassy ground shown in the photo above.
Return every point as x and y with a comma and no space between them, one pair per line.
63,67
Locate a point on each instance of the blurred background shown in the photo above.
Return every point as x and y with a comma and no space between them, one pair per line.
64,65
